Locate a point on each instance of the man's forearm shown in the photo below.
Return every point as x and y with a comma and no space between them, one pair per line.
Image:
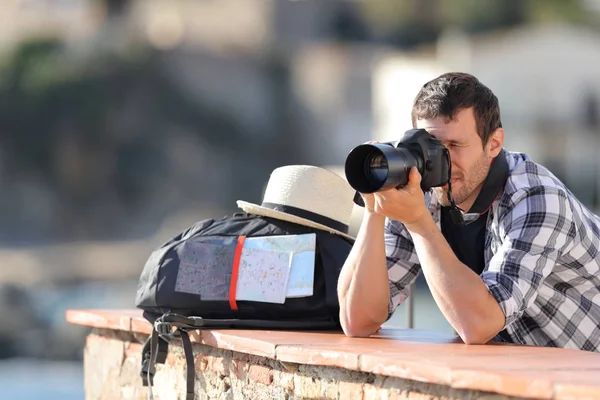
363,286
459,292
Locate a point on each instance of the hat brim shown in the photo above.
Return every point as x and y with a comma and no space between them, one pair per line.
251,208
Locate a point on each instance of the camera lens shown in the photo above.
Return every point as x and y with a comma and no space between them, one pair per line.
373,167
376,168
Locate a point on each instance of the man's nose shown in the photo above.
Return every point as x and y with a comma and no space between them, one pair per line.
453,165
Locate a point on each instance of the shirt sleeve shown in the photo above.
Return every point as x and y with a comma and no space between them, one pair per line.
402,263
537,229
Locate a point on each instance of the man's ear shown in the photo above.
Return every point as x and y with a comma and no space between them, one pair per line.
495,143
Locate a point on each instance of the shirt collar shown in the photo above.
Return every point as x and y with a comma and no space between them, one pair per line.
493,184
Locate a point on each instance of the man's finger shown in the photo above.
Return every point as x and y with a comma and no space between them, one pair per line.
414,178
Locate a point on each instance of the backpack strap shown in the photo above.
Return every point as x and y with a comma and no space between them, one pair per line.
151,356
190,366
170,325
156,347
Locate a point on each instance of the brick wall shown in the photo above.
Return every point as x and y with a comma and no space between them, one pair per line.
112,361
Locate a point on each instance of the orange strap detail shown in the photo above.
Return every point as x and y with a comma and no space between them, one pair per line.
235,271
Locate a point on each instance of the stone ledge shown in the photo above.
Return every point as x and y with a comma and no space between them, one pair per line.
112,368
416,356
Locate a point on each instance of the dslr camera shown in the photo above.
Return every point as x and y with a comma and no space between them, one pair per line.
376,167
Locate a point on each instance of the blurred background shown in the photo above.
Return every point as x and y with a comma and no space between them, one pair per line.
123,122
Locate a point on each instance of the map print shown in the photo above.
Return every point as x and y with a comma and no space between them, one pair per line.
205,268
302,247
263,275
271,268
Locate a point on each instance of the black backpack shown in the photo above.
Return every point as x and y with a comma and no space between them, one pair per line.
173,312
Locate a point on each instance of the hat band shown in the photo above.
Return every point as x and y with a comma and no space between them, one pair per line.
314,217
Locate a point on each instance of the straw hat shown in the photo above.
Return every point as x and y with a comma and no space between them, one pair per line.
309,196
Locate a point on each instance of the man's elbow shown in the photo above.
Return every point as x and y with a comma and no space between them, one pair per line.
473,339
475,335
359,327
360,320
355,330
480,328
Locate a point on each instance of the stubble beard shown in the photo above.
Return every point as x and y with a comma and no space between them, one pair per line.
467,186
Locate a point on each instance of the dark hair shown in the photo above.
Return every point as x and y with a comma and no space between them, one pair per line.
450,93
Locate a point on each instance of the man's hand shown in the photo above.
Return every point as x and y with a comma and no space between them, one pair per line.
369,200
406,205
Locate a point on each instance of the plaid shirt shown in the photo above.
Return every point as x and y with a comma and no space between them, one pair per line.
542,260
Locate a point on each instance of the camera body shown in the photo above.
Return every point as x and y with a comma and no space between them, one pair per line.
376,167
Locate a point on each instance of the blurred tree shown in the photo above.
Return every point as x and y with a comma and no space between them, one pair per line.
482,15
407,23
544,11
91,134
402,23
85,141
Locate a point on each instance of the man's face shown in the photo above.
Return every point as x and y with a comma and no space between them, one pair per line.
470,159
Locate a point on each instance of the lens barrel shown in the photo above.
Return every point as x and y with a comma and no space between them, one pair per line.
375,167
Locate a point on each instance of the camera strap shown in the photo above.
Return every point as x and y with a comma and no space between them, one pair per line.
492,186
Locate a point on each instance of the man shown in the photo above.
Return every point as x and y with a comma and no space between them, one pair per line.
526,271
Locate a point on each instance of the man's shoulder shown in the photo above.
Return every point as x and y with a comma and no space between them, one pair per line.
535,187
527,176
